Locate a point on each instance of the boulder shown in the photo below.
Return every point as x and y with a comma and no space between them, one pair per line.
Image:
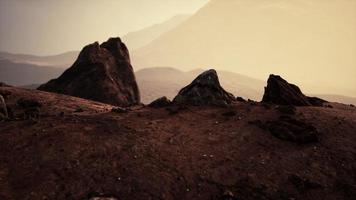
160,102
279,91
101,73
204,90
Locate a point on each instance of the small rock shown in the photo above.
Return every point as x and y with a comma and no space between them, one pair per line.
119,110
160,102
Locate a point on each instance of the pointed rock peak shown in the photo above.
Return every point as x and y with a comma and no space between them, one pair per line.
116,47
101,73
209,77
204,90
89,52
279,91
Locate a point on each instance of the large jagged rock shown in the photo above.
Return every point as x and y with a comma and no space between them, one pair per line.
204,90
100,73
279,91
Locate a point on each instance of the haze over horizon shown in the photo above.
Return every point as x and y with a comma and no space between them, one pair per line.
49,27
309,42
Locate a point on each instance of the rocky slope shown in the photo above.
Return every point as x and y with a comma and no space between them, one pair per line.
101,73
60,147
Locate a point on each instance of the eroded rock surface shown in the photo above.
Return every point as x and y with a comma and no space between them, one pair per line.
204,90
101,73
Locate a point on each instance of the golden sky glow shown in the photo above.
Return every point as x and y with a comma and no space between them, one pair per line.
45,27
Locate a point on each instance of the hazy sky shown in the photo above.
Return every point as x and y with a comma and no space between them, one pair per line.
54,26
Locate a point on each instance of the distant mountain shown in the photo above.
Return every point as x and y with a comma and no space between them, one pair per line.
306,41
26,74
63,60
134,40
138,39
157,82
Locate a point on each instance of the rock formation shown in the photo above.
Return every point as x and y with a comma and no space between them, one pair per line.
279,91
204,90
160,102
101,73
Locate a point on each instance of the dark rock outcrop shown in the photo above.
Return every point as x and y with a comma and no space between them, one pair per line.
101,73
204,90
279,91
290,129
240,99
160,102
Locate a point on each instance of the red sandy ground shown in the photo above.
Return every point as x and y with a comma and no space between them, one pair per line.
197,153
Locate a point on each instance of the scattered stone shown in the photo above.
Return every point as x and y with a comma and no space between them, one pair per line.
160,102
28,103
280,92
204,90
101,73
119,110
